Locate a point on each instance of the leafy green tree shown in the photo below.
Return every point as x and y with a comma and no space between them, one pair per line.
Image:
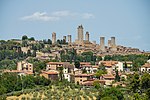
125,65
100,73
29,53
135,83
77,64
31,39
24,37
117,77
107,98
148,93
84,70
107,58
3,90
61,73
34,53
112,92
49,41
96,84
99,58
145,81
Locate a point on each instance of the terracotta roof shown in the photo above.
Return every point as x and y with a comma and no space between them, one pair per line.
85,63
86,66
29,73
108,76
50,72
109,63
128,62
95,66
13,71
146,65
84,75
90,82
55,63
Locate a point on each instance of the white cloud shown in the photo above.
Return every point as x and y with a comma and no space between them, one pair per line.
87,15
40,16
55,16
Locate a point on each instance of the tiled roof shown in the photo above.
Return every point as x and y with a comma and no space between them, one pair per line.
50,72
108,76
55,63
109,63
86,66
85,63
90,82
95,66
146,65
84,75
13,71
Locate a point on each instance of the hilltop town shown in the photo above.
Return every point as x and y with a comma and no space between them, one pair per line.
85,64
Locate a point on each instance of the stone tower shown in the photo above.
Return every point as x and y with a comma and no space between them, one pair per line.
87,36
64,38
113,44
102,43
109,43
53,38
69,39
80,33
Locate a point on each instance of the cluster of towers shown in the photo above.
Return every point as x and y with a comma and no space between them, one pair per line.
64,38
111,44
80,39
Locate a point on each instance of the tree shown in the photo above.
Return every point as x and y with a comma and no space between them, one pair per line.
77,64
135,83
145,81
99,58
96,84
24,37
34,53
99,73
107,58
148,57
61,73
117,77
49,41
28,53
112,92
125,66
148,93
31,39
84,71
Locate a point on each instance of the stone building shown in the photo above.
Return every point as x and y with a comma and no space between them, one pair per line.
80,34
102,43
69,39
87,36
53,38
24,66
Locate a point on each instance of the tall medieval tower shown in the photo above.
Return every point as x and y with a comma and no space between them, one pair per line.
80,33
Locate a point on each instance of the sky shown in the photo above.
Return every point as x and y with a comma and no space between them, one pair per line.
127,20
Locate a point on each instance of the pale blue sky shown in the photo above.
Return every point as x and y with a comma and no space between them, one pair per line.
127,20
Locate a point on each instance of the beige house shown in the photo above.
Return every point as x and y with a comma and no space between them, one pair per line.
54,65
145,68
25,66
51,74
80,78
108,78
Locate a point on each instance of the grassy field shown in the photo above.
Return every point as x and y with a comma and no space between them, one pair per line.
57,93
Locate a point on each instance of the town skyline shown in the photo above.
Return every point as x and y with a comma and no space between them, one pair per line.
127,21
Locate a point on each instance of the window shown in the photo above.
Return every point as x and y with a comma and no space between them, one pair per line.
143,69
